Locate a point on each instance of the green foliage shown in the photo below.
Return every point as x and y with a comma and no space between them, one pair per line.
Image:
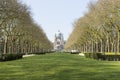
94,55
18,31
112,57
9,57
101,56
39,53
99,29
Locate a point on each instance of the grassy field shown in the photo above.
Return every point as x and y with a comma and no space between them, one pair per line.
59,66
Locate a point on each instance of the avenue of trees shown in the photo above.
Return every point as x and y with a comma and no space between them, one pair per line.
18,32
99,29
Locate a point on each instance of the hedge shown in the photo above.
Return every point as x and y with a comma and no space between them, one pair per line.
95,56
39,53
101,56
9,57
112,57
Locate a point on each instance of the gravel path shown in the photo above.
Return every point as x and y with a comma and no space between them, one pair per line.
81,54
28,55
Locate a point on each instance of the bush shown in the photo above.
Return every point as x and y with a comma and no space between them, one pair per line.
39,53
87,55
8,57
95,56
103,57
112,57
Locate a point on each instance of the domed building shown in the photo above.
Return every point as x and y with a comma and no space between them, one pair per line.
59,41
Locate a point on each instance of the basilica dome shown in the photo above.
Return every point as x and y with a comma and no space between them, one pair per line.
58,34
59,41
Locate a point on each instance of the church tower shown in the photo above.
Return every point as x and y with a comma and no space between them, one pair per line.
59,41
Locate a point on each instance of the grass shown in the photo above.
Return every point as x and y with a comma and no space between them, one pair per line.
59,66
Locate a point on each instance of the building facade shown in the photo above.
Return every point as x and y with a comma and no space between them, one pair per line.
59,41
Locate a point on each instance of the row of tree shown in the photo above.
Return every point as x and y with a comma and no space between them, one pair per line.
99,29
18,32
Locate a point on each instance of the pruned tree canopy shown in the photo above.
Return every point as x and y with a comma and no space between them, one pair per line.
18,32
99,29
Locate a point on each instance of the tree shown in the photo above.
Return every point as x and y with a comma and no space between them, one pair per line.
19,32
98,30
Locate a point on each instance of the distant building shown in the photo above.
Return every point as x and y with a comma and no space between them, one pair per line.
59,41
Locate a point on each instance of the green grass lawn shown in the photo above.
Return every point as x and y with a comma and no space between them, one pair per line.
59,66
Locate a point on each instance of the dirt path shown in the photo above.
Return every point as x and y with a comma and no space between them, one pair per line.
28,55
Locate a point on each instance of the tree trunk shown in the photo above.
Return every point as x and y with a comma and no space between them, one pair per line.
92,46
5,45
101,46
118,43
96,46
108,45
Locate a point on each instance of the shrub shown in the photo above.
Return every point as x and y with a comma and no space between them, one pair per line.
94,55
8,57
112,57
103,57
87,55
39,53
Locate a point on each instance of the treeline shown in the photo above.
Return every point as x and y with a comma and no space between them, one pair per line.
99,29
18,32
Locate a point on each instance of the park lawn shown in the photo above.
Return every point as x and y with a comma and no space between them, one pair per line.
59,66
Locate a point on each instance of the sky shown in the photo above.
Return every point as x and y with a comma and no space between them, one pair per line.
54,15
